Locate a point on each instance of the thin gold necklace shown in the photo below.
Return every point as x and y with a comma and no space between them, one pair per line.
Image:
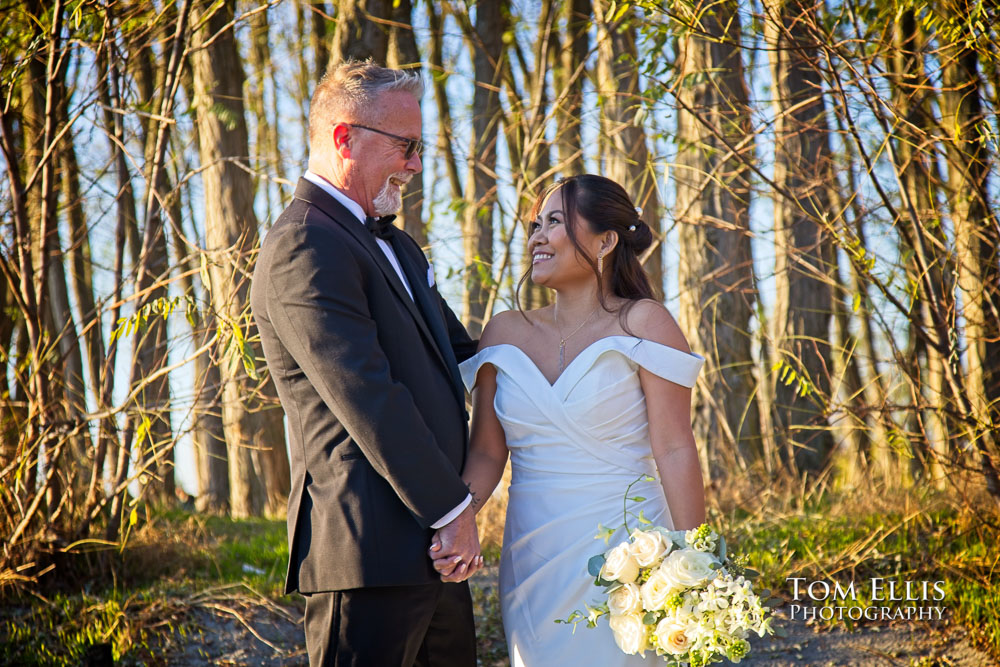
563,339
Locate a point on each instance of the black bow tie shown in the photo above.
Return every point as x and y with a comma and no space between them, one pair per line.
380,227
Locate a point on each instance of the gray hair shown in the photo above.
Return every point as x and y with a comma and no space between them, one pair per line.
349,92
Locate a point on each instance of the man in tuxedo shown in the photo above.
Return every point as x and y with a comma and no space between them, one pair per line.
363,351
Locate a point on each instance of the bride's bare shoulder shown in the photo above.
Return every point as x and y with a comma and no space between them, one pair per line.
510,327
651,320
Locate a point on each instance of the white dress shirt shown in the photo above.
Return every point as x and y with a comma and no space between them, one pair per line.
355,208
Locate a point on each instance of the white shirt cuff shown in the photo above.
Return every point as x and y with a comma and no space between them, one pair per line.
450,516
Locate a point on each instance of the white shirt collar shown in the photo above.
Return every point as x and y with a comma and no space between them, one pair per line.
351,205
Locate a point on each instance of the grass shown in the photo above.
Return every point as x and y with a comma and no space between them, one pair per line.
844,541
138,601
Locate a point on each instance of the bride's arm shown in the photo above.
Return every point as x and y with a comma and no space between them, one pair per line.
668,408
488,446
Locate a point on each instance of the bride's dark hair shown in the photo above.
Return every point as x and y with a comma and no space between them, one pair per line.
607,207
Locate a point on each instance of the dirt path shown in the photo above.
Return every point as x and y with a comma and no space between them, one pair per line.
244,632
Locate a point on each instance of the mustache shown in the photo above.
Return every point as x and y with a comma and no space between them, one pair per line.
403,177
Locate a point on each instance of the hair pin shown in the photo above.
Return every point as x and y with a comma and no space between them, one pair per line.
638,211
631,228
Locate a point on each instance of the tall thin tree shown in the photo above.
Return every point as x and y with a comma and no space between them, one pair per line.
258,463
623,138
717,287
803,306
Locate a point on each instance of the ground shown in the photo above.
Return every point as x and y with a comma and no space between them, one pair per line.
233,628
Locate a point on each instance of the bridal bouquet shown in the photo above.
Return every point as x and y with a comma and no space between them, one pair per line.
676,593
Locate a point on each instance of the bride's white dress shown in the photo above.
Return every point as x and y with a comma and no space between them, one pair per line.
575,445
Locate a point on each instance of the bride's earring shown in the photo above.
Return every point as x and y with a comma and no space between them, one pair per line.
600,263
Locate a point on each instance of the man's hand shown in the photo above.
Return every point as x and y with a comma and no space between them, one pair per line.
455,548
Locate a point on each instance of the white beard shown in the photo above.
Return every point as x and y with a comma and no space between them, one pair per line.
390,198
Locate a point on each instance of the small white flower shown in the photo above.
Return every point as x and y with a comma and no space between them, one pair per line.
702,538
593,613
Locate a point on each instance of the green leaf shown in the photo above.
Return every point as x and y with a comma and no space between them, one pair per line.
143,430
133,517
750,573
649,618
250,362
857,302
225,115
722,548
643,519
595,564
206,279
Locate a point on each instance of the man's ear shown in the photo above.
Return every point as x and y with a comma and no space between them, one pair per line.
342,139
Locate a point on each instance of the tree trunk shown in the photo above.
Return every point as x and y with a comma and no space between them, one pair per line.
804,253
913,151
318,40
357,36
527,143
717,287
150,349
481,182
260,60
977,241
404,54
11,415
258,463
61,365
568,75
110,449
876,418
443,105
626,156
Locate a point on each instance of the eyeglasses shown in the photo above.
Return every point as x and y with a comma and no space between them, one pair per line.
412,145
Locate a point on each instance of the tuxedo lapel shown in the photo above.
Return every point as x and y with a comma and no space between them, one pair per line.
429,306
313,194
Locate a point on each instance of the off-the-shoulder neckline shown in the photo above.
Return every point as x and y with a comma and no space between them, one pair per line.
583,353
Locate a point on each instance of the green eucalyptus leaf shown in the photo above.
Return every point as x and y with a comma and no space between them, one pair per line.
595,564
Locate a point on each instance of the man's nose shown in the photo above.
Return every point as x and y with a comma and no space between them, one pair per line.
414,164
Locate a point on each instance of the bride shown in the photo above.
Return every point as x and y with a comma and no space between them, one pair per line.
586,396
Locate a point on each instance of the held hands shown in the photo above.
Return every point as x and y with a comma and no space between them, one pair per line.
455,548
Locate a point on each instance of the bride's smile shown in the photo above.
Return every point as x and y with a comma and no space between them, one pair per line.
561,256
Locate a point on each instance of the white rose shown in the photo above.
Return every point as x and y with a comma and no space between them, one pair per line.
671,637
630,633
648,547
687,568
625,600
620,565
656,590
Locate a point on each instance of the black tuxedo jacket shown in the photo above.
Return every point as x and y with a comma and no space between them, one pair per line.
374,403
